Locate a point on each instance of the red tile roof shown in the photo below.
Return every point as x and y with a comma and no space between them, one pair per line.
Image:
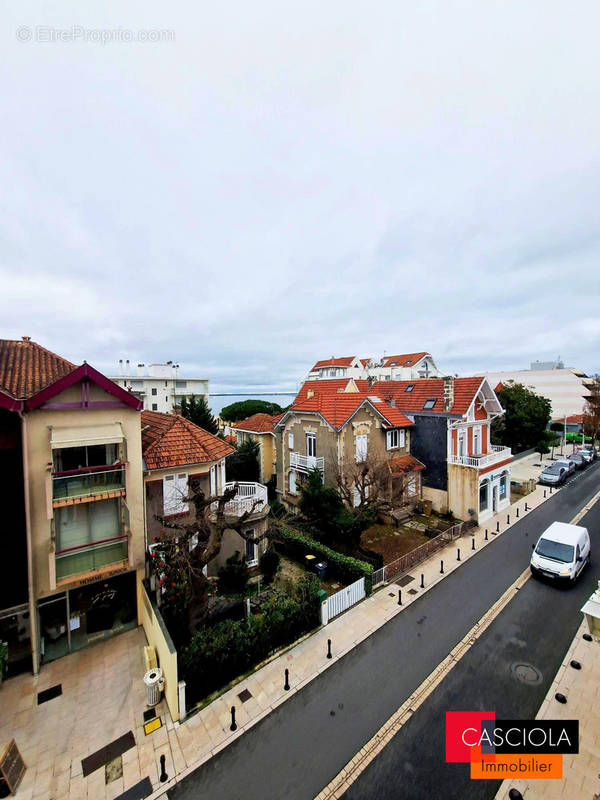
412,402
337,409
332,386
403,464
170,440
404,360
257,423
26,368
334,362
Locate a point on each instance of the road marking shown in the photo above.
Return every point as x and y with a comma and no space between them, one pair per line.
390,728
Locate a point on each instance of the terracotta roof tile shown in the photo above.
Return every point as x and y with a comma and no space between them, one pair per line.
26,368
334,362
257,423
331,386
403,360
403,464
337,409
170,440
413,401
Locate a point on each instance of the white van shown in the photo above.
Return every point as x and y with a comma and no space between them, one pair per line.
561,552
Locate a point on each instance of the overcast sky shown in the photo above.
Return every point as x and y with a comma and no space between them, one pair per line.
280,182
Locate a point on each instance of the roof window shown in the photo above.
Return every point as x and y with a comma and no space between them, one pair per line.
410,387
430,403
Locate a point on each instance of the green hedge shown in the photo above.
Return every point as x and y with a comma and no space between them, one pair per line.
217,655
345,568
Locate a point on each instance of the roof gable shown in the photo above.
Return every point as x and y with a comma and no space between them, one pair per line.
77,375
403,360
256,423
26,367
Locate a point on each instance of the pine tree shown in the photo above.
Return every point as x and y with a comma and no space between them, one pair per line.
197,411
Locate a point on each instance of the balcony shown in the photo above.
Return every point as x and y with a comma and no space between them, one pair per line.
306,463
91,482
88,558
250,497
498,453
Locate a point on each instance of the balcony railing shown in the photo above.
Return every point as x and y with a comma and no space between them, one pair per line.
306,463
498,453
88,482
250,497
87,558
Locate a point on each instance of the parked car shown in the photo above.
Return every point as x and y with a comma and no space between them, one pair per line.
561,553
554,475
588,451
566,464
578,460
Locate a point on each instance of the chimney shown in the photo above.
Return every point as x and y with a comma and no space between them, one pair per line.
120,366
26,338
448,392
140,370
127,367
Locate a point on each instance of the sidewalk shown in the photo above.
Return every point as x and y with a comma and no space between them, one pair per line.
103,694
581,772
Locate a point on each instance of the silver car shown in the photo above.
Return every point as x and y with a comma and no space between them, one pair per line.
578,460
587,452
568,465
554,475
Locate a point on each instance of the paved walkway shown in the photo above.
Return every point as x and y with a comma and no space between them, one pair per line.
581,772
103,694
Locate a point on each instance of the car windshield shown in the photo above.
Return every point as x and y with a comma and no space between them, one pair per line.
552,470
555,550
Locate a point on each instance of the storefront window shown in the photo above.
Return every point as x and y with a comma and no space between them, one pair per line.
503,487
15,631
483,496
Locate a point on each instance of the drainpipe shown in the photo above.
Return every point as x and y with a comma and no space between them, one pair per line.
33,626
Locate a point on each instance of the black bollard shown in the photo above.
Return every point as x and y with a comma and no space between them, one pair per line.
515,794
286,685
486,536
458,553
497,527
422,581
560,698
508,519
544,494
329,649
233,726
575,664
551,490
473,543
587,637
526,506
441,567
399,597
517,512
163,770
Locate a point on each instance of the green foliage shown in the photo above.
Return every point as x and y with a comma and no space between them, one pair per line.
542,448
233,577
323,508
344,568
277,509
269,564
197,411
242,464
246,408
557,426
525,420
219,654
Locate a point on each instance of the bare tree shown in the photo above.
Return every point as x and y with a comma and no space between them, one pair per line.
183,550
374,486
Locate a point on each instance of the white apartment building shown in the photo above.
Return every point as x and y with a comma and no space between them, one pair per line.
159,386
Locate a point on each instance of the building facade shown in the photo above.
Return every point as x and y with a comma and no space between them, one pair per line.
159,386
260,428
406,366
567,389
178,457
72,438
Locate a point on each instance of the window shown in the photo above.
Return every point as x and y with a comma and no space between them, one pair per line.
430,403
461,443
154,392
361,447
483,496
175,489
89,536
154,407
355,497
503,487
411,486
213,480
292,482
251,556
181,384
476,440
290,441
311,444
395,439
410,387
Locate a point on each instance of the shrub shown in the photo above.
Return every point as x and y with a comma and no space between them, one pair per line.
269,564
345,568
217,655
233,577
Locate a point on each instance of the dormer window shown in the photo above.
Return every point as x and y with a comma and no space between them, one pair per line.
410,387
429,403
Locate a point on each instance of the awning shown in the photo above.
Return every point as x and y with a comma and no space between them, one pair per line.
402,464
86,435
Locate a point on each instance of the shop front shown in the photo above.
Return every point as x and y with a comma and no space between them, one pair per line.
494,492
86,613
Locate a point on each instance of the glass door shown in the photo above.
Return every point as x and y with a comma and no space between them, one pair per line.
54,628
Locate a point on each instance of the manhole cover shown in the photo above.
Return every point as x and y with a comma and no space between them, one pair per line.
526,673
405,580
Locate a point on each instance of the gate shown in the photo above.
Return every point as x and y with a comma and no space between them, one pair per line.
345,598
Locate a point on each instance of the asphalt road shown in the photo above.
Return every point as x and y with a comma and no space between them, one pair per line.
298,749
536,628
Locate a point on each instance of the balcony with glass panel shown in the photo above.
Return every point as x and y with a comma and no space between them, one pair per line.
89,482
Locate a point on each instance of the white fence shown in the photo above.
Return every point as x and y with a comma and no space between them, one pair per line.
345,598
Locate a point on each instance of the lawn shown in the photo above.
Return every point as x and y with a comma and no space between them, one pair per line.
392,542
